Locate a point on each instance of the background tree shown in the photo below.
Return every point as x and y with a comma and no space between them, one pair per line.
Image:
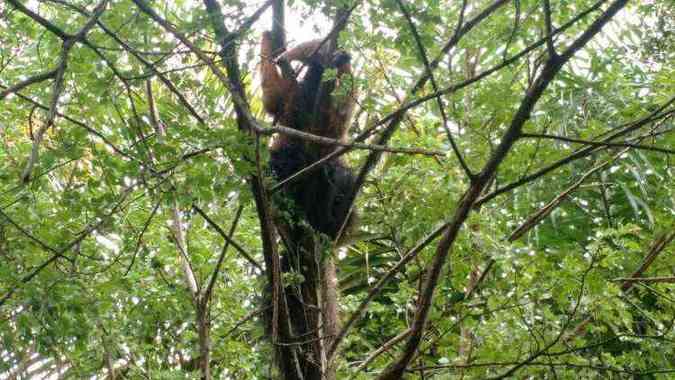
515,190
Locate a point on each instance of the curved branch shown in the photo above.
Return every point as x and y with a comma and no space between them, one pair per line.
32,80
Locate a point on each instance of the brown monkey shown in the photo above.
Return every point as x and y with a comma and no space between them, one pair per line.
320,108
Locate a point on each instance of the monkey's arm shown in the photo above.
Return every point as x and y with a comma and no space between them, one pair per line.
276,90
343,99
304,51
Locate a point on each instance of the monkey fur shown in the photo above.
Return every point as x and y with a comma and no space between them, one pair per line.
321,108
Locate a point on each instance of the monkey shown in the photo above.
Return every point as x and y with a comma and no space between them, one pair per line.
320,108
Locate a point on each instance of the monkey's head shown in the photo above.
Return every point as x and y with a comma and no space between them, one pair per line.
341,58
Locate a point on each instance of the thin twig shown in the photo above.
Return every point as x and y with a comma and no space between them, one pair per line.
226,237
88,230
206,297
388,345
28,234
598,143
439,100
532,357
655,249
139,240
646,279
248,317
543,212
246,25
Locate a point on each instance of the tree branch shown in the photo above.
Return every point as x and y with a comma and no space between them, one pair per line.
655,249
227,237
598,143
206,297
550,47
32,80
317,139
68,43
40,20
439,100
542,213
646,279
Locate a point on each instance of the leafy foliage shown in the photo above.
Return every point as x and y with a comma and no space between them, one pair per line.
92,274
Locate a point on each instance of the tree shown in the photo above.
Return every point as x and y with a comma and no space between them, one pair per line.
514,189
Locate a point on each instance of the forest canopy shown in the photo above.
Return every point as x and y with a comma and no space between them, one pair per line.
513,192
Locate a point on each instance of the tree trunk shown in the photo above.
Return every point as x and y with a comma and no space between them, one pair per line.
204,331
